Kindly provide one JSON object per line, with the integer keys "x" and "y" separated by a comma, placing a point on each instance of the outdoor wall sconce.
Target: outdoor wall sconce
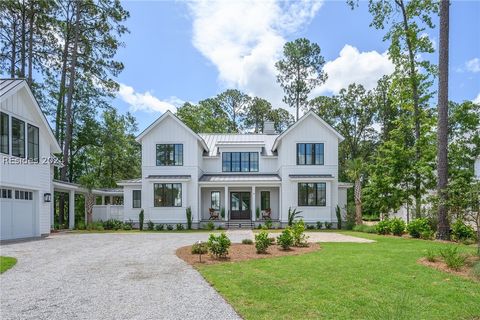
{"x": 47, "y": 197}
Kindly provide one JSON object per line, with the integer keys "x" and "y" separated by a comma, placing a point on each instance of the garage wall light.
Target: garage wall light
{"x": 47, "y": 197}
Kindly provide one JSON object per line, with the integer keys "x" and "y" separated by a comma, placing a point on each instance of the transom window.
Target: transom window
{"x": 215, "y": 200}
{"x": 264, "y": 200}
{"x": 137, "y": 198}
{"x": 32, "y": 141}
{"x": 310, "y": 153}
{"x": 167, "y": 194}
{"x": 169, "y": 154}
{"x": 6, "y": 193}
{"x": 240, "y": 161}
{"x": 4, "y": 133}
{"x": 312, "y": 194}
{"x": 18, "y": 138}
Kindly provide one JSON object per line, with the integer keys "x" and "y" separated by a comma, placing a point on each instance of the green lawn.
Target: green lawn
{"x": 347, "y": 281}
{"x": 6, "y": 263}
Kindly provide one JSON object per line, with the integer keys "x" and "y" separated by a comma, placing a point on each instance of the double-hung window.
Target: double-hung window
{"x": 310, "y": 153}
{"x": 18, "y": 138}
{"x": 169, "y": 155}
{"x": 167, "y": 194}
{"x": 240, "y": 161}
{"x": 137, "y": 198}
{"x": 312, "y": 194}
{"x": 4, "y": 133}
{"x": 215, "y": 200}
{"x": 32, "y": 142}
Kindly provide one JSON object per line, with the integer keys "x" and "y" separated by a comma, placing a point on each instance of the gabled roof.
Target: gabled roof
{"x": 169, "y": 114}
{"x": 305, "y": 116}
{"x": 9, "y": 87}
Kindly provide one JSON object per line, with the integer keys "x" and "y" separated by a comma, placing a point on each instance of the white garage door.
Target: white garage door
{"x": 18, "y": 215}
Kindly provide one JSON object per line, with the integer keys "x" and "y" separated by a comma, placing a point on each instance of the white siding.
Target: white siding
{"x": 477, "y": 168}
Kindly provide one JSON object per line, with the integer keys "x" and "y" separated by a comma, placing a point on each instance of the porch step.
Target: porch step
{"x": 240, "y": 224}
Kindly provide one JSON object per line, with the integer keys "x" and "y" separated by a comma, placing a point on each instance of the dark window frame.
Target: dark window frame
{"x": 19, "y": 155}
{"x": 139, "y": 193}
{"x": 315, "y": 189}
{"x": 176, "y": 149}
{"x": 163, "y": 190}
{"x": 263, "y": 206}
{"x": 228, "y": 165}
{"x": 5, "y": 131}
{"x": 36, "y": 156}
{"x": 312, "y": 156}
{"x": 219, "y": 200}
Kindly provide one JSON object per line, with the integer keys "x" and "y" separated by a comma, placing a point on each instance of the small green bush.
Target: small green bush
{"x": 81, "y": 226}
{"x": 285, "y": 239}
{"x": 262, "y": 242}
{"x": 128, "y": 225}
{"x": 188, "y": 212}
{"x": 219, "y": 245}
{"x": 319, "y": 225}
{"x": 268, "y": 223}
{"x": 199, "y": 248}
{"x": 427, "y": 235}
{"x": 338, "y": 212}
{"x": 150, "y": 225}
{"x": 222, "y": 213}
{"x": 417, "y": 226}
{"x": 365, "y": 228}
{"x": 431, "y": 255}
{"x": 383, "y": 227}
{"x": 260, "y": 226}
{"x": 310, "y": 226}
{"x": 461, "y": 231}
{"x": 247, "y": 241}
{"x": 452, "y": 257}
{"x": 112, "y": 224}
{"x": 169, "y": 227}
{"x": 298, "y": 234}
{"x": 159, "y": 227}
{"x": 210, "y": 225}
{"x": 397, "y": 226}
{"x": 180, "y": 227}
{"x": 328, "y": 225}
{"x": 141, "y": 216}
{"x": 476, "y": 269}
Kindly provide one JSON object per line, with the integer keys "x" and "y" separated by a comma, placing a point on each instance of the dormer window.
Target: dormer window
{"x": 240, "y": 161}
{"x": 310, "y": 154}
{"x": 169, "y": 154}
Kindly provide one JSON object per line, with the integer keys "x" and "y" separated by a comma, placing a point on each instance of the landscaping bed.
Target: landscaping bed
{"x": 241, "y": 252}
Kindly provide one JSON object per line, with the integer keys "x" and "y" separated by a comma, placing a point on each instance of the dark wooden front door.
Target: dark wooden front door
{"x": 240, "y": 205}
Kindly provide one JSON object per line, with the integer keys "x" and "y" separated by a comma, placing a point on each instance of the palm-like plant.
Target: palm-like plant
{"x": 355, "y": 171}
{"x": 292, "y": 214}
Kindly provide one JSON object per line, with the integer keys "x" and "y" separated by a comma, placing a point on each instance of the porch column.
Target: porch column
{"x": 71, "y": 209}
{"x": 103, "y": 200}
{"x": 253, "y": 206}
{"x": 225, "y": 204}
{"x": 199, "y": 210}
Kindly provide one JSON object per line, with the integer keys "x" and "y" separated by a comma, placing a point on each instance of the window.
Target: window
{"x": 23, "y": 195}
{"x": 18, "y": 138}
{"x": 137, "y": 198}
{"x": 32, "y": 142}
{"x": 215, "y": 200}
{"x": 169, "y": 154}
{"x": 4, "y": 133}
{"x": 264, "y": 200}
{"x": 312, "y": 194}
{"x": 310, "y": 154}
{"x": 167, "y": 194}
{"x": 6, "y": 193}
{"x": 240, "y": 161}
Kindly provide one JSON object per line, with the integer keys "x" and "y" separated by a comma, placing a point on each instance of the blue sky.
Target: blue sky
{"x": 179, "y": 51}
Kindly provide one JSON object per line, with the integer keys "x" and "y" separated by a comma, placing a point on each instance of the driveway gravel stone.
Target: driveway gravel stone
{"x": 114, "y": 276}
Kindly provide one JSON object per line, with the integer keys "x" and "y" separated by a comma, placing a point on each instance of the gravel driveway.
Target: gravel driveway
{"x": 112, "y": 276}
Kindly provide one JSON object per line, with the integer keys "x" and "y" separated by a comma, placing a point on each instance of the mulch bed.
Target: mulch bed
{"x": 241, "y": 252}
{"x": 465, "y": 271}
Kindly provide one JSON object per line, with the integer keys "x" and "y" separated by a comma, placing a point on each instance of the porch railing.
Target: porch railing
{"x": 107, "y": 212}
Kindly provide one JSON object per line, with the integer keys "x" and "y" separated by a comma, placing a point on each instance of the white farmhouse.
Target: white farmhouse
{"x": 236, "y": 179}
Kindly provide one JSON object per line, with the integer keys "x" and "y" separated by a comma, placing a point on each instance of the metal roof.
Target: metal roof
{"x": 137, "y": 180}
{"x": 170, "y": 176}
{"x": 240, "y": 178}
{"x": 307, "y": 176}
{"x": 213, "y": 140}
{"x": 8, "y": 84}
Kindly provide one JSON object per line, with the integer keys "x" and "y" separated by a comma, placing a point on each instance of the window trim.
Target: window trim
{"x": 219, "y": 200}
{"x": 138, "y": 191}
{"x": 37, "y": 158}
{"x": 163, "y": 193}
{"x": 3, "y": 114}
{"x": 240, "y": 168}
{"x": 157, "y": 158}
{"x": 316, "y": 194}
{"x": 313, "y": 153}
{"x": 24, "y": 140}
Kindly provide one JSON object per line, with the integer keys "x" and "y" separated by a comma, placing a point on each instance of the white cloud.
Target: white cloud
{"x": 353, "y": 66}
{"x": 244, "y": 39}
{"x": 473, "y": 65}
{"x": 146, "y": 101}
{"x": 477, "y": 99}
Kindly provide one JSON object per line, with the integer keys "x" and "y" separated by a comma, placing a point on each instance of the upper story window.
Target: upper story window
{"x": 32, "y": 139}
{"x": 4, "y": 133}
{"x": 18, "y": 138}
{"x": 310, "y": 154}
{"x": 240, "y": 161}
{"x": 169, "y": 154}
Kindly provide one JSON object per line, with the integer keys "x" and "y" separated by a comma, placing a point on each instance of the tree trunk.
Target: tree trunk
{"x": 89, "y": 202}
{"x": 13, "y": 56}
{"x": 442, "y": 132}
{"x": 30, "y": 43}
{"x": 23, "y": 39}
{"x": 358, "y": 202}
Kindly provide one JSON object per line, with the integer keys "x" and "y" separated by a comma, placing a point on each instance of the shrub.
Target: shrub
{"x": 365, "y": 228}
{"x": 338, "y": 212}
{"x": 95, "y": 226}
{"x": 350, "y": 219}
{"x": 199, "y": 248}
{"x": 452, "y": 257}
{"x": 81, "y": 226}
{"x": 285, "y": 239}
{"x": 292, "y": 214}
{"x": 259, "y": 226}
{"x": 268, "y": 223}
{"x": 257, "y": 213}
{"x": 418, "y": 226}
{"x": 141, "y": 216}
{"x": 150, "y": 225}
{"x": 319, "y": 225}
{"x": 310, "y": 226}
{"x": 262, "y": 242}
{"x": 188, "y": 212}
{"x": 219, "y": 245}
{"x": 247, "y": 241}
{"x": 461, "y": 231}
{"x": 219, "y": 228}
{"x": 383, "y": 227}
{"x": 299, "y": 237}
{"x": 169, "y": 227}
{"x": 127, "y": 225}
{"x": 427, "y": 235}
{"x": 180, "y": 226}
{"x": 210, "y": 225}
{"x": 159, "y": 227}
{"x": 112, "y": 224}
{"x": 328, "y": 225}
{"x": 222, "y": 213}
{"x": 397, "y": 226}
{"x": 370, "y": 217}
{"x": 431, "y": 255}
{"x": 476, "y": 269}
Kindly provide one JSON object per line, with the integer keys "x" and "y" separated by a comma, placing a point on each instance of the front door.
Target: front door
{"x": 240, "y": 205}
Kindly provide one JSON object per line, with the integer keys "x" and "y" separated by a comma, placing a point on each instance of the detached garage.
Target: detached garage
{"x": 26, "y": 171}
